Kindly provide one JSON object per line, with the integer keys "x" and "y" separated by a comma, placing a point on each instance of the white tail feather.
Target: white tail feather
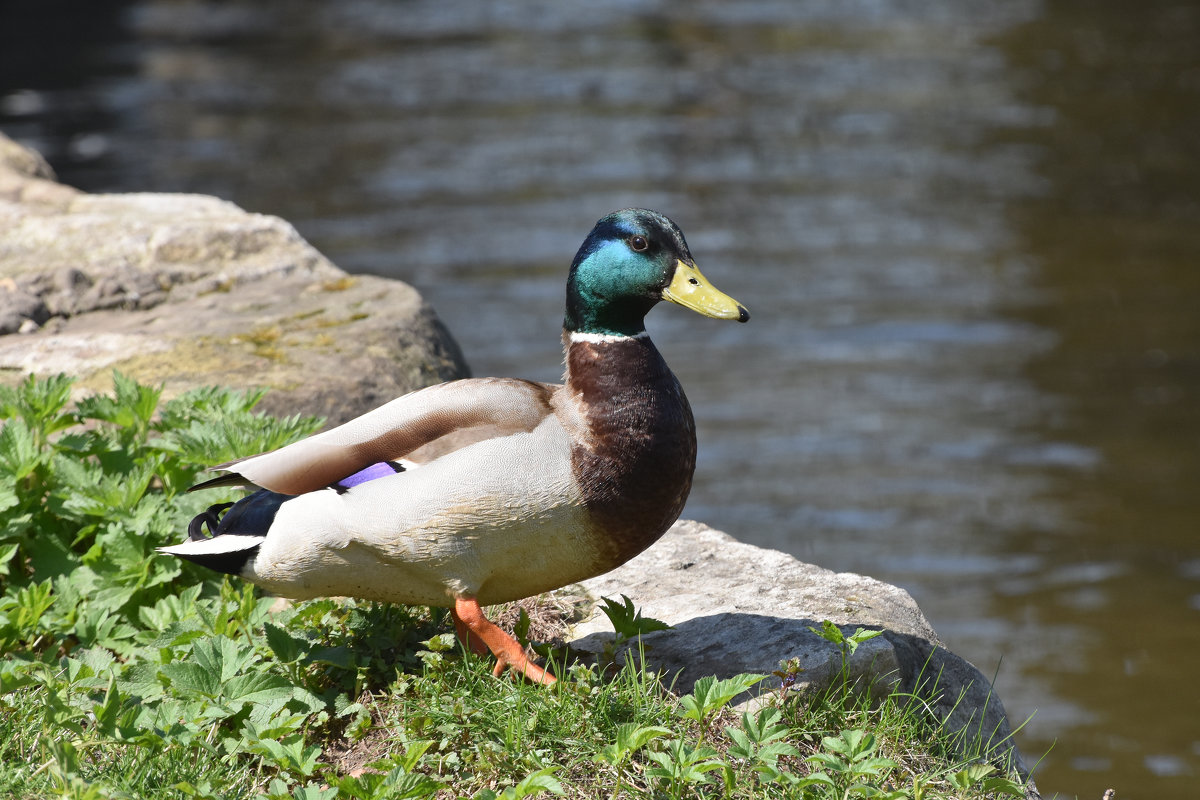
{"x": 213, "y": 546}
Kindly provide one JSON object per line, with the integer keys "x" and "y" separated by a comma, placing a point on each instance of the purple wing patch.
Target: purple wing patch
{"x": 380, "y": 470}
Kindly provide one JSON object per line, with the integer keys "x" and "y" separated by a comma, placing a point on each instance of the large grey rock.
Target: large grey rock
{"x": 738, "y": 608}
{"x": 188, "y": 290}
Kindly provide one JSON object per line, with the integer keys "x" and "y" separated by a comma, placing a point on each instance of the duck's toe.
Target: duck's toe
{"x": 481, "y": 633}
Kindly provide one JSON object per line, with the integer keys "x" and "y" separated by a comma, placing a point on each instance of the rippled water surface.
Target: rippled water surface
{"x": 968, "y": 233}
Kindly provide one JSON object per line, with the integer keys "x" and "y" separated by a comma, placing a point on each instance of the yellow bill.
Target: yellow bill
{"x": 692, "y": 290}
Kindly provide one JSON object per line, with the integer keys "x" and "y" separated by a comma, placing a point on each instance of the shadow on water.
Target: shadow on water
{"x": 1115, "y": 235}
{"x": 966, "y": 231}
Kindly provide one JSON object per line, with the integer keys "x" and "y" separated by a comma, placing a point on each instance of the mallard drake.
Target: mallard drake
{"x": 486, "y": 490}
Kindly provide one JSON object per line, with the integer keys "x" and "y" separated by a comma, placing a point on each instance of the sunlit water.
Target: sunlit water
{"x": 967, "y": 232}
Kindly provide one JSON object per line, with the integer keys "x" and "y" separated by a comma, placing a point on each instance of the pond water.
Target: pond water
{"x": 967, "y": 232}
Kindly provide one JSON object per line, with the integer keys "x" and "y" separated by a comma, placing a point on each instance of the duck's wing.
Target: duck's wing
{"x": 420, "y": 426}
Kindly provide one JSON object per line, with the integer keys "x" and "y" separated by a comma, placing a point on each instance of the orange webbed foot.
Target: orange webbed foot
{"x": 481, "y": 635}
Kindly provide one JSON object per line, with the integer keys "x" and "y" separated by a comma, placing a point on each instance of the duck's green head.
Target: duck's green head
{"x": 632, "y": 259}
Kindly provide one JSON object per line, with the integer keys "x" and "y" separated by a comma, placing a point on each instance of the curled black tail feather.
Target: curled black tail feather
{"x": 250, "y": 516}
{"x": 210, "y": 517}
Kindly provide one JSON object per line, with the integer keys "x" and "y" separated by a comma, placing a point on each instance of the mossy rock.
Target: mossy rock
{"x": 188, "y": 290}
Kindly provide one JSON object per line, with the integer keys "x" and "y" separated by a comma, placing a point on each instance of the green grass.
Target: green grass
{"x": 131, "y": 675}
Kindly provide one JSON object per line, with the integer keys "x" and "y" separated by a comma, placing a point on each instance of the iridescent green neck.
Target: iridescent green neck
{"x": 605, "y": 321}
{"x": 609, "y": 290}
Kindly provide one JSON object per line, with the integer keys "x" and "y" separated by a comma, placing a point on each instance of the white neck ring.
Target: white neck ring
{"x": 604, "y": 338}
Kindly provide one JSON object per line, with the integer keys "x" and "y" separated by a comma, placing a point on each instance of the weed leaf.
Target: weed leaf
{"x": 628, "y": 621}
{"x": 710, "y": 695}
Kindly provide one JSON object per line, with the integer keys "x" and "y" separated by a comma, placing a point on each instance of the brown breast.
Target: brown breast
{"x": 635, "y": 465}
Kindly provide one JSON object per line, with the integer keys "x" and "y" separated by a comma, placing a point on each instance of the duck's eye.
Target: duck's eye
{"x": 639, "y": 243}
{"x": 694, "y": 281}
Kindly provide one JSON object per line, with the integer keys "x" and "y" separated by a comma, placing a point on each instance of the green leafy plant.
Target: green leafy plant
{"x": 90, "y": 622}
{"x": 87, "y": 493}
{"x": 627, "y": 621}
{"x": 761, "y": 741}
{"x": 850, "y": 767}
{"x": 628, "y": 624}
{"x": 847, "y": 646}
{"x": 631, "y": 738}
{"x": 680, "y": 764}
{"x": 530, "y": 786}
{"x": 981, "y": 779}
{"x": 709, "y": 696}
{"x": 401, "y": 782}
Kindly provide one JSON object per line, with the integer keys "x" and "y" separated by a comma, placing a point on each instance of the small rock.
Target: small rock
{"x": 18, "y": 306}
{"x": 72, "y": 280}
{"x": 23, "y": 161}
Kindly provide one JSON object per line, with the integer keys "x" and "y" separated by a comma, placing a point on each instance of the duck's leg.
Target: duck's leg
{"x": 480, "y": 633}
{"x": 465, "y": 635}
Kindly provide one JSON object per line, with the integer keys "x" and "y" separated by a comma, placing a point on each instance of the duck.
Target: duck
{"x": 481, "y": 491}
